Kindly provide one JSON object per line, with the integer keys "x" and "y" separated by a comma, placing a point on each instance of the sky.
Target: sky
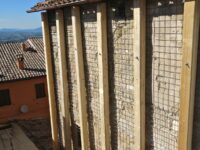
{"x": 13, "y": 14}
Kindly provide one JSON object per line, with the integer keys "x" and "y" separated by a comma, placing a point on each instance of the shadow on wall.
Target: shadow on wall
{"x": 54, "y": 55}
{"x": 163, "y": 65}
{"x": 70, "y": 74}
{"x": 120, "y": 57}
{"x": 89, "y": 36}
{"x": 196, "y": 123}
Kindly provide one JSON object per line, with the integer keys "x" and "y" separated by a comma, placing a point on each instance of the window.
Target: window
{"x": 5, "y": 98}
{"x": 40, "y": 90}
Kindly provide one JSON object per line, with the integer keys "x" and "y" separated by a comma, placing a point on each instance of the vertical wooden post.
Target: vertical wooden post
{"x": 139, "y": 72}
{"x": 80, "y": 77}
{"x": 188, "y": 76}
{"x": 50, "y": 80}
{"x": 103, "y": 74}
{"x": 63, "y": 78}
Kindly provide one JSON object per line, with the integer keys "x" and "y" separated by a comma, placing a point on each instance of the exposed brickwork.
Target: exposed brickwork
{"x": 164, "y": 55}
{"x": 120, "y": 36}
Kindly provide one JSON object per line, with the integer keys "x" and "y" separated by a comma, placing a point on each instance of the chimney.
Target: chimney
{"x": 20, "y": 61}
{"x": 23, "y": 46}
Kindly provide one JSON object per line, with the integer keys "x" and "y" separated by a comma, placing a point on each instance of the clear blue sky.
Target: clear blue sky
{"x": 13, "y": 14}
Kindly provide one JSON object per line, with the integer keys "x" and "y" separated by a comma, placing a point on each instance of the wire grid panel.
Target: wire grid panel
{"x": 196, "y": 125}
{"x": 72, "y": 76}
{"x": 120, "y": 30}
{"x": 90, "y": 52}
{"x": 164, "y": 60}
{"x": 56, "y": 71}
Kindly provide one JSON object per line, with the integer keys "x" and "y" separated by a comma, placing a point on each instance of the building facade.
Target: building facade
{"x": 23, "y": 85}
{"x": 122, "y": 74}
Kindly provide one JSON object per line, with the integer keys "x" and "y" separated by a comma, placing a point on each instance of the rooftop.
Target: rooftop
{"x": 53, "y": 4}
{"x": 33, "y": 60}
{"x": 26, "y": 134}
{"x": 12, "y": 137}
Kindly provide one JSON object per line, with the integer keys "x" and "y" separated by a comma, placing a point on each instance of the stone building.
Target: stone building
{"x": 122, "y": 73}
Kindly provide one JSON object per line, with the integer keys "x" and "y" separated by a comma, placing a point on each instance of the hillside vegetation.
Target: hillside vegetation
{"x": 8, "y": 35}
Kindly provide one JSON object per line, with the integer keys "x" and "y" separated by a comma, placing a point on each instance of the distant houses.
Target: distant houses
{"x": 23, "y": 87}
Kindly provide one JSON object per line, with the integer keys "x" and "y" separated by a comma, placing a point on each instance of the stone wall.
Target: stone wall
{"x": 90, "y": 54}
{"x": 163, "y": 73}
{"x": 56, "y": 70}
{"x": 72, "y": 77}
{"x": 120, "y": 32}
{"x": 120, "y": 38}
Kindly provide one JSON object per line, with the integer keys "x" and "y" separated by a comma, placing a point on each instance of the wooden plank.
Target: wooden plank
{"x": 66, "y": 131}
{"x": 50, "y": 80}
{"x": 188, "y": 75}
{"x": 139, "y": 72}
{"x": 76, "y": 25}
{"x": 103, "y": 75}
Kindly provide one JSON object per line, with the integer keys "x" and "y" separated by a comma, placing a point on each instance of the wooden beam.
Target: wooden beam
{"x": 50, "y": 80}
{"x": 188, "y": 75}
{"x": 103, "y": 74}
{"x": 63, "y": 80}
{"x": 80, "y": 77}
{"x": 139, "y": 72}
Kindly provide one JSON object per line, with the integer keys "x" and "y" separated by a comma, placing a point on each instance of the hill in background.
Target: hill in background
{"x": 8, "y": 35}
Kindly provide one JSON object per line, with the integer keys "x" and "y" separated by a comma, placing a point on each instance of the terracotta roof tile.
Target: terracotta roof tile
{"x": 33, "y": 59}
{"x": 53, "y": 4}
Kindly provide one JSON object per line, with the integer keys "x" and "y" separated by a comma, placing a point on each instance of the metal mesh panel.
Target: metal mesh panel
{"x": 120, "y": 32}
{"x": 164, "y": 54}
{"x": 196, "y": 125}
{"x": 72, "y": 77}
{"x": 56, "y": 71}
{"x": 90, "y": 52}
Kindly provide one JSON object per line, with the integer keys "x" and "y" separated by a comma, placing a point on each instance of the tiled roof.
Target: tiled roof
{"x": 53, "y": 4}
{"x": 33, "y": 59}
